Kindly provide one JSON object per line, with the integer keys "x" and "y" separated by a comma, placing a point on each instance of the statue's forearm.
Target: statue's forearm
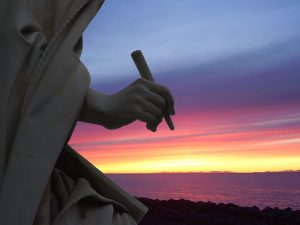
{"x": 94, "y": 108}
{"x": 142, "y": 100}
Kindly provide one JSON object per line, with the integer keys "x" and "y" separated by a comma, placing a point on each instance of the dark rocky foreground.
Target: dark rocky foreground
{"x": 184, "y": 212}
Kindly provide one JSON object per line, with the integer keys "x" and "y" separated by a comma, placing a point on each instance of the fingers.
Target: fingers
{"x": 156, "y": 112}
{"x": 164, "y": 93}
{"x": 153, "y": 109}
{"x": 149, "y": 119}
{"x": 156, "y": 100}
{"x": 159, "y": 102}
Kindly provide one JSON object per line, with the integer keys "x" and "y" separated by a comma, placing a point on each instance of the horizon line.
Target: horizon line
{"x": 209, "y": 172}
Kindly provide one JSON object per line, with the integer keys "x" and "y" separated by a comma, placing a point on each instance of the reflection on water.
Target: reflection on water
{"x": 260, "y": 189}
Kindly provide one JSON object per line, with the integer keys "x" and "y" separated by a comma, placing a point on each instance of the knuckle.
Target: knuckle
{"x": 163, "y": 88}
{"x": 140, "y": 87}
{"x": 162, "y": 102}
{"x": 167, "y": 91}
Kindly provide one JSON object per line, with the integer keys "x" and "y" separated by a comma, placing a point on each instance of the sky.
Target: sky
{"x": 233, "y": 68}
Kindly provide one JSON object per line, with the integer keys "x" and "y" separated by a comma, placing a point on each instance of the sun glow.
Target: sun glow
{"x": 217, "y": 146}
{"x": 233, "y": 164}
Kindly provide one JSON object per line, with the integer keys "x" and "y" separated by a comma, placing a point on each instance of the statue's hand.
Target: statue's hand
{"x": 142, "y": 100}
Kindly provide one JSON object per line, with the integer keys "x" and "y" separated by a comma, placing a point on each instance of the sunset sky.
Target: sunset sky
{"x": 233, "y": 67}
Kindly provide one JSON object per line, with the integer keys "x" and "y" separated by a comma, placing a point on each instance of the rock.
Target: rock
{"x": 185, "y": 212}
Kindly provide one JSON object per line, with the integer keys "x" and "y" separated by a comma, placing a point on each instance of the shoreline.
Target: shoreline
{"x": 186, "y": 212}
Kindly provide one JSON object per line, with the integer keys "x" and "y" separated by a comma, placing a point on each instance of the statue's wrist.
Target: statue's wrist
{"x": 95, "y": 108}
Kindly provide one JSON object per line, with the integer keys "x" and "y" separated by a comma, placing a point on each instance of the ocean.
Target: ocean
{"x": 280, "y": 190}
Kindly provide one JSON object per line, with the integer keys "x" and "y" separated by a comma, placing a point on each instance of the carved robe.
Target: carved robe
{"x": 43, "y": 85}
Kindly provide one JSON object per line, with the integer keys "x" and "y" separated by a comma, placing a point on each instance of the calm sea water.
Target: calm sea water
{"x": 258, "y": 189}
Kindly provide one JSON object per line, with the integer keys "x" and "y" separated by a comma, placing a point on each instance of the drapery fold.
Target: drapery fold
{"x": 43, "y": 86}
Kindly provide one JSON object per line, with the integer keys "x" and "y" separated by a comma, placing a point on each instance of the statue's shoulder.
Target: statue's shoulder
{"x": 50, "y": 16}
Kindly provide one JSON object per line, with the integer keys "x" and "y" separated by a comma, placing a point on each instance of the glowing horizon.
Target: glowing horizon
{"x": 255, "y": 146}
{"x": 234, "y": 71}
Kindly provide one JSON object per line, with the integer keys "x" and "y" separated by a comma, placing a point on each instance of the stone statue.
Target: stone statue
{"x": 44, "y": 91}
